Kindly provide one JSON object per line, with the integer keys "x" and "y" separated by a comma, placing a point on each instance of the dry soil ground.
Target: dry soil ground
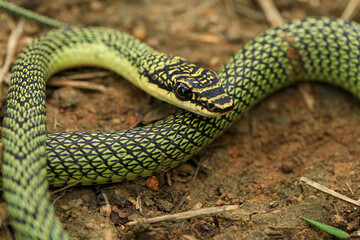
{"x": 257, "y": 163}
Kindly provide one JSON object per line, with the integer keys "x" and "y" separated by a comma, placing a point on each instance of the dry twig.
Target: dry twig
{"x": 138, "y": 204}
{"x": 200, "y": 8}
{"x": 12, "y": 43}
{"x": 107, "y": 203}
{"x": 186, "y": 215}
{"x": 84, "y": 75}
{"x": 203, "y": 37}
{"x": 307, "y": 96}
{"x": 329, "y": 191}
{"x": 78, "y": 84}
{"x": 351, "y": 10}
{"x": 66, "y": 187}
{"x": 271, "y": 12}
{"x": 352, "y": 192}
{"x": 274, "y": 18}
{"x": 71, "y": 81}
{"x": 55, "y": 200}
{"x": 247, "y": 12}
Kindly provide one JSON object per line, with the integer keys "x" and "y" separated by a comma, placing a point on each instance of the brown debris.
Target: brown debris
{"x": 153, "y": 183}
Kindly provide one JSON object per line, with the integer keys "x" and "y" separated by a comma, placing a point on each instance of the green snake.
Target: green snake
{"x": 320, "y": 49}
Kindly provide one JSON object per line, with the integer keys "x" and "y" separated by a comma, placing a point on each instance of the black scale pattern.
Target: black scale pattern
{"x": 321, "y": 49}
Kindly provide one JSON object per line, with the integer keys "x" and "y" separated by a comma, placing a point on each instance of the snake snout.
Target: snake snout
{"x": 221, "y": 105}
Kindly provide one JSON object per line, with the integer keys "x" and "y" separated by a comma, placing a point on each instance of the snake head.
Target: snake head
{"x": 202, "y": 92}
{"x": 181, "y": 83}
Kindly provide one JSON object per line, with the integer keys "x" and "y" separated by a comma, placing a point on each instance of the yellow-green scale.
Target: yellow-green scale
{"x": 312, "y": 49}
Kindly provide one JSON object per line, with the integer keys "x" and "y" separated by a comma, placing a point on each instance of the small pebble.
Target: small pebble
{"x": 100, "y": 197}
{"x": 65, "y": 207}
{"x": 66, "y": 97}
{"x": 219, "y": 202}
{"x": 203, "y": 227}
{"x": 139, "y": 31}
{"x": 197, "y": 206}
{"x": 267, "y": 231}
{"x": 97, "y": 6}
{"x": 32, "y": 29}
{"x": 287, "y": 167}
{"x": 273, "y": 204}
{"x": 90, "y": 225}
{"x": 75, "y": 203}
{"x": 163, "y": 205}
{"x": 234, "y": 33}
{"x": 105, "y": 211}
{"x": 148, "y": 201}
{"x": 114, "y": 217}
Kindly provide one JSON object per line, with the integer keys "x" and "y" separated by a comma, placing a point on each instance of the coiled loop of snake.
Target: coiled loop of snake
{"x": 320, "y": 49}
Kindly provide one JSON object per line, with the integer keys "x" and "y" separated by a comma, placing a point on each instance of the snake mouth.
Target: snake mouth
{"x": 224, "y": 110}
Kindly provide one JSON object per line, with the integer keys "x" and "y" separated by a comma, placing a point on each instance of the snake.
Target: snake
{"x": 311, "y": 49}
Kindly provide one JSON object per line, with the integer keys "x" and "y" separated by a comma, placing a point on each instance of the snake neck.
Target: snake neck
{"x": 156, "y": 73}
{"x": 73, "y": 47}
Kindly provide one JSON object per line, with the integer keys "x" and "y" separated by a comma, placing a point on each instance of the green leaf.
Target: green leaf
{"x": 332, "y": 230}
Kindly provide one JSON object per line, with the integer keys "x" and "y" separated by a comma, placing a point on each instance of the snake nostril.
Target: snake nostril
{"x": 211, "y": 107}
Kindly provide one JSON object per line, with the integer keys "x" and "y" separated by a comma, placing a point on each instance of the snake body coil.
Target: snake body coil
{"x": 320, "y": 49}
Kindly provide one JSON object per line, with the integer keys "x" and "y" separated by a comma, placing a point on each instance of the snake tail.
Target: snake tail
{"x": 30, "y": 15}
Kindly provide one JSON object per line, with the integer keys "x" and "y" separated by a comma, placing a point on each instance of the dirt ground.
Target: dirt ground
{"x": 257, "y": 164}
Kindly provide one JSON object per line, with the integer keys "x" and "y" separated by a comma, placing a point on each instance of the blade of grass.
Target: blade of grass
{"x": 332, "y": 230}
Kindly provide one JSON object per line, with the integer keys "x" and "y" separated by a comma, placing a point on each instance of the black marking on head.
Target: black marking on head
{"x": 222, "y": 101}
{"x": 175, "y": 68}
{"x": 210, "y": 93}
{"x": 204, "y": 79}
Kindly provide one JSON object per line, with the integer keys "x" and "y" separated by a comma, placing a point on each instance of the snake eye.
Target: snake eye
{"x": 182, "y": 91}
